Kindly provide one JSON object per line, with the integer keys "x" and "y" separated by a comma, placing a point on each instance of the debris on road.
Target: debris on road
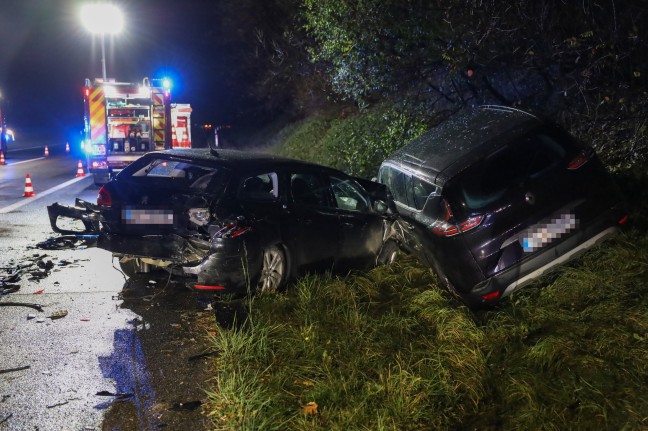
{"x": 38, "y": 292}
{"x": 51, "y": 406}
{"x": 6, "y": 418}
{"x": 11, "y": 370}
{"x": 204, "y": 355}
{"x": 22, "y": 304}
{"x": 120, "y": 396}
{"x": 9, "y": 288}
{"x": 68, "y": 242}
{"x": 188, "y": 406}
{"x": 58, "y": 314}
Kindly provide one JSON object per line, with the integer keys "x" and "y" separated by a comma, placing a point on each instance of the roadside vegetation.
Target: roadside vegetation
{"x": 390, "y": 350}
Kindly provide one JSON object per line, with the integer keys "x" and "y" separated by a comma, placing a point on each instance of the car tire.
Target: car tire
{"x": 388, "y": 253}
{"x": 273, "y": 270}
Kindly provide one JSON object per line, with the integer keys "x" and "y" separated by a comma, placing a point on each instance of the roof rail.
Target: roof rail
{"x": 507, "y": 109}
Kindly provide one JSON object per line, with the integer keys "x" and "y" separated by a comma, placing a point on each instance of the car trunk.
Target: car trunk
{"x": 532, "y": 194}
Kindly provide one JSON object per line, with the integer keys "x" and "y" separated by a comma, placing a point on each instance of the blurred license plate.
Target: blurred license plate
{"x": 148, "y": 216}
{"x": 545, "y": 233}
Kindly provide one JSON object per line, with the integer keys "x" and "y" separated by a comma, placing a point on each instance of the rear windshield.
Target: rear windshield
{"x": 489, "y": 180}
{"x": 177, "y": 173}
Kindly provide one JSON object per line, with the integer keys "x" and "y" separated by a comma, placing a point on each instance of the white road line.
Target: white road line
{"x": 26, "y": 201}
{"x": 25, "y": 161}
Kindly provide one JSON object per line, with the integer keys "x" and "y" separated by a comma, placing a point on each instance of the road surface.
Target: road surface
{"x": 104, "y": 353}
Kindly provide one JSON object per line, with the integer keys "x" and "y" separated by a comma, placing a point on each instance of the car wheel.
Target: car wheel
{"x": 388, "y": 253}
{"x": 273, "y": 270}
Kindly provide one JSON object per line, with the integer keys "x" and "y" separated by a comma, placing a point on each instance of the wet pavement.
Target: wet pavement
{"x": 105, "y": 353}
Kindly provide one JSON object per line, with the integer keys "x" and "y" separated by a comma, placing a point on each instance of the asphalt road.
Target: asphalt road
{"x": 105, "y": 353}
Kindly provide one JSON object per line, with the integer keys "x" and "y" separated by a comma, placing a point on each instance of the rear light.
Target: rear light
{"x": 232, "y": 230}
{"x": 491, "y": 296}
{"x": 623, "y": 219}
{"x": 104, "y": 198}
{"x": 580, "y": 159}
{"x": 205, "y": 287}
{"x": 450, "y": 229}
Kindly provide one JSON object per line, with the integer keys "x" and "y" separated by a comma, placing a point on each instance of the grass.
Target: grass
{"x": 389, "y": 350}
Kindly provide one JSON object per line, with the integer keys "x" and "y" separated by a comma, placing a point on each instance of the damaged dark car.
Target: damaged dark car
{"x": 496, "y": 197}
{"x": 229, "y": 221}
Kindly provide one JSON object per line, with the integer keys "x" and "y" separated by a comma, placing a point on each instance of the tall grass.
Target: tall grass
{"x": 389, "y": 350}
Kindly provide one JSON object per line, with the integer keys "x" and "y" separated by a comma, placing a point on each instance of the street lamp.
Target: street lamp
{"x": 102, "y": 18}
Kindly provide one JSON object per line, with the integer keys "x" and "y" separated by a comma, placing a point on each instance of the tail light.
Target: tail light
{"x": 448, "y": 229}
{"x": 580, "y": 159}
{"x": 491, "y": 296}
{"x": 232, "y": 230}
{"x": 104, "y": 198}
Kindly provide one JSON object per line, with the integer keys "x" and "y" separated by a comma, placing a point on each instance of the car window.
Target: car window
{"x": 308, "y": 189}
{"x": 178, "y": 173}
{"x": 397, "y": 182}
{"x": 509, "y": 168}
{"x": 421, "y": 190}
{"x": 262, "y": 187}
{"x": 349, "y": 195}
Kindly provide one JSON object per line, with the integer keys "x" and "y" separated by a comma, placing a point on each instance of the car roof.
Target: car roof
{"x": 450, "y": 147}
{"x": 240, "y": 160}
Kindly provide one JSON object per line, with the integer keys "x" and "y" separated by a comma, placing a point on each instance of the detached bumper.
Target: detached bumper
{"x": 84, "y": 211}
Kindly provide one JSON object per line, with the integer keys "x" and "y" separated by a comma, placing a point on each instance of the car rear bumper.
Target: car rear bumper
{"x": 224, "y": 267}
{"x": 511, "y": 279}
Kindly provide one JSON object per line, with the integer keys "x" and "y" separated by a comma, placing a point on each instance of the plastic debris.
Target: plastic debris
{"x": 6, "y": 418}
{"x": 38, "y": 292}
{"x": 30, "y": 316}
{"x": 120, "y": 396}
{"x": 11, "y": 370}
{"x": 57, "y": 404}
{"x": 22, "y": 304}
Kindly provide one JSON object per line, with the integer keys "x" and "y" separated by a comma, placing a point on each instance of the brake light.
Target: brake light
{"x": 450, "y": 229}
{"x": 491, "y": 296}
{"x": 104, "y": 198}
{"x": 206, "y": 287}
{"x": 580, "y": 159}
{"x": 623, "y": 219}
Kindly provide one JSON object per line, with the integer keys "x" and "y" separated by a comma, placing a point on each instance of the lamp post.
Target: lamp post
{"x": 102, "y": 18}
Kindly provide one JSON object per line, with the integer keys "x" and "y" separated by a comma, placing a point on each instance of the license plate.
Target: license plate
{"x": 543, "y": 234}
{"x": 148, "y": 216}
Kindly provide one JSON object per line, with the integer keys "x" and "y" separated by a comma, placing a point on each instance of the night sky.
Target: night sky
{"x": 47, "y": 53}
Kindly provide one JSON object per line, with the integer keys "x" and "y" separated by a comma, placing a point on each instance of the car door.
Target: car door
{"x": 312, "y": 225}
{"x": 361, "y": 227}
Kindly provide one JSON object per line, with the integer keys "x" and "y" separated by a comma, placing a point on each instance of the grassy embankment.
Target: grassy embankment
{"x": 388, "y": 349}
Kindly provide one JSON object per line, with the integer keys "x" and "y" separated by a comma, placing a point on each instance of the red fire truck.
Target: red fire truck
{"x": 123, "y": 121}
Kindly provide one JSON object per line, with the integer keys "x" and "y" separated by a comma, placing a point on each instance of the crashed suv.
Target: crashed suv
{"x": 497, "y": 197}
{"x": 230, "y": 221}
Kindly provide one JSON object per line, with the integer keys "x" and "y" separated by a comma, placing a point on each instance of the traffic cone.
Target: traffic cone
{"x": 29, "y": 190}
{"x": 46, "y": 151}
{"x": 80, "y": 170}
{"x": 67, "y": 147}
{"x": 2, "y": 159}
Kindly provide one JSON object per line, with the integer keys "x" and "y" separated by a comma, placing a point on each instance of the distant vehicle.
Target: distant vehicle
{"x": 180, "y": 125}
{"x": 123, "y": 121}
{"x": 495, "y": 198}
{"x": 229, "y": 221}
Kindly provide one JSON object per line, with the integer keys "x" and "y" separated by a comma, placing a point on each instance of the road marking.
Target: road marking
{"x": 26, "y": 201}
{"x": 25, "y": 161}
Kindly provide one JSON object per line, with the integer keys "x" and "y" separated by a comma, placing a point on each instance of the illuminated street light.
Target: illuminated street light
{"x": 102, "y": 18}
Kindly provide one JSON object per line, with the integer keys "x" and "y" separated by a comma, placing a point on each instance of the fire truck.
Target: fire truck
{"x": 123, "y": 121}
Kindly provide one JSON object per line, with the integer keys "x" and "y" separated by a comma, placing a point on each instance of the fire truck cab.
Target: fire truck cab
{"x": 123, "y": 121}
